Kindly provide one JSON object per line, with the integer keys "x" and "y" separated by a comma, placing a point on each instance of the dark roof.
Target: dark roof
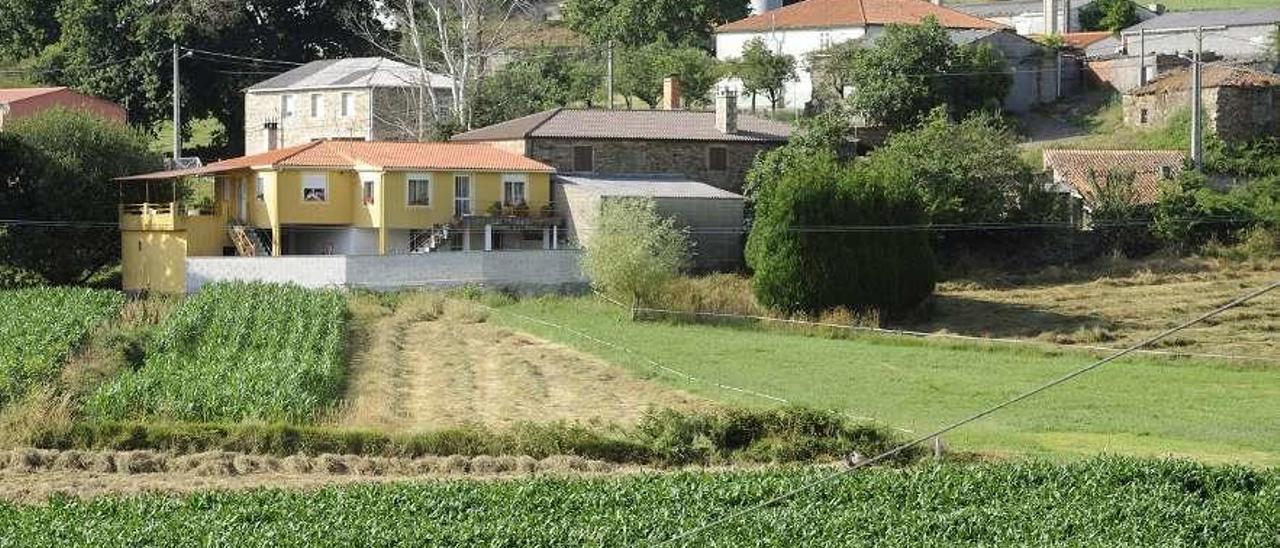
{"x": 648, "y": 125}
{"x": 1212, "y": 76}
{"x": 1230, "y": 18}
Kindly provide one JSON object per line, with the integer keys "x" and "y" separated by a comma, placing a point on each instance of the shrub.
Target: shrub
{"x": 809, "y": 255}
{"x": 634, "y": 251}
{"x": 12, "y": 277}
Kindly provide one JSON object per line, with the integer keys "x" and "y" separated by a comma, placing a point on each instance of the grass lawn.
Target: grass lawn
{"x": 1212, "y": 412}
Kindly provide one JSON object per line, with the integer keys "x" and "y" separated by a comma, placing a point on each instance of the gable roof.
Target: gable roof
{"x": 1080, "y": 169}
{"x": 1082, "y": 40}
{"x": 855, "y": 13}
{"x": 1009, "y": 9}
{"x": 1208, "y": 18}
{"x": 643, "y": 125}
{"x": 373, "y": 154}
{"x": 1211, "y": 76}
{"x": 352, "y": 72}
{"x": 10, "y": 95}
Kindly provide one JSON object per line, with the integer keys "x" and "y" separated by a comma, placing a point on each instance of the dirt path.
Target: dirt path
{"x": 428, "y": 362}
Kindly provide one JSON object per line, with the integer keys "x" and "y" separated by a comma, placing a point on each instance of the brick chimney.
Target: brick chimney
{"x": 671, "y": 93}
{"x": 727, "y": 111}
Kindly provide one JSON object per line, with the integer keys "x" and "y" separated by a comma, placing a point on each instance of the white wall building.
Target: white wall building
{"x": 1027, "y": 17}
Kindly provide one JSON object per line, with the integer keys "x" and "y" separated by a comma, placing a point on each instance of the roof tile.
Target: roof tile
{"x": 1082, "y": 169}
{"x": 855, "y": 13}
{"x": 665, "y": 125}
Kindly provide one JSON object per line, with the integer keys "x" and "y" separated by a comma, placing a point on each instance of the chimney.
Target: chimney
{"x": 1050, "y": 17}
{"x": 671, "y": 93}
{"x": 727, "y": 111}
{"x": 273, "y": 134}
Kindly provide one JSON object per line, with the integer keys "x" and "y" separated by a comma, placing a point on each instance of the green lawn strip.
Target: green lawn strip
{"x": 1138, "y": 406}
{"x": 1098, "y": 502}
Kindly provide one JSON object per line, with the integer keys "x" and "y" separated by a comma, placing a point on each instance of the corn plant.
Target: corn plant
{"x": 237, "y": 351}
{"x": 40, "y": 327}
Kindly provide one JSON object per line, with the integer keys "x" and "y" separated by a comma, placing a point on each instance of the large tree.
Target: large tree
{"x": 630, "y": 23}
{"x": 56, "y": 172}
{"x": 912, "y": 69}
{"x": 762, "y": 71}
{"x": 26, "y": 26}
{"x": 1108, "y": 15}
{"x": 640, "y": 72}
{"x": 538, "y": 80}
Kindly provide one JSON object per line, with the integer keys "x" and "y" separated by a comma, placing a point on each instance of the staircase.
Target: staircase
{"x": 249, "y": 242}
{"x": 426, "y": 242}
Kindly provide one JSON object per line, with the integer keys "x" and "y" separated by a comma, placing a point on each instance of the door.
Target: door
{"x": 244, "y": 201}
{"x": 462, "y": 195}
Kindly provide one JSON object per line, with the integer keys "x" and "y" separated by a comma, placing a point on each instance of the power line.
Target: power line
{"x": 972, "y": 418}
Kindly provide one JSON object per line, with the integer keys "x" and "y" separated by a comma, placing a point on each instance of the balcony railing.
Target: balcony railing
{"x": 160, "y": 216}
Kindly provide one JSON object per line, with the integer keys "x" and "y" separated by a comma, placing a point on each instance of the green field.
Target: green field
{"x": 39, "y": 328}
{"x": 1102, "y": 502}
{"x": 237, "y": 351}
{"x": 1211, "y": 412}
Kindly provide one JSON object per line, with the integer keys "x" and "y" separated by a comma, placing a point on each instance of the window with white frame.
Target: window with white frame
{"x": 513, "y": 190}
{"x": 366, "y": 191}
{"x": 286, "y": 106}
{"x": 348, "y": 107}
{"x": 419, "y": 189}
{"x": 317, "y": 105}
{"x": 315, "y": 187}
{"x": 260, "y": 188}
{"x": 461, "y": 194}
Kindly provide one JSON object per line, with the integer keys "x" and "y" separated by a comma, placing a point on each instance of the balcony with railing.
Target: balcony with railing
{"x": 166, "y": 216}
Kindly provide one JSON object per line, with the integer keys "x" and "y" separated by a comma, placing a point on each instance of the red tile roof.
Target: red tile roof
{"x": 10, "y": 95}
{"x": 1083, "y": 40}
{"x": 372, "y": 154}
{"x": 1082, "y": 169}
{"x": 1211, "y": 76}
{"x": 855, "y": 13}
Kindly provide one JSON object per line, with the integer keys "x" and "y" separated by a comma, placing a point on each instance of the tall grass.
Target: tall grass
{"x": 237, "y": 351}
{"x": 40, "y": 327}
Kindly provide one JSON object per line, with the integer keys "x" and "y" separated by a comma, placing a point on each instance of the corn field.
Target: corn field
{"x": 40, "y": 327}
{"x": 1099, "y": 502}
{"x": 237, "y": 351}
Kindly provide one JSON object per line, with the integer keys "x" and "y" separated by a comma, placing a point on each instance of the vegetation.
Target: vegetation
{"x": 542, "y": 79}
{"x": 635, "y": 23}
{"x": 1108, "y": 15}
{"x": 641, "y": 70}
{"x": 59, "y": 166}
{"x": 1106, "y": 502}
{"x": 39, "y": 328}
{"x": 237, "y": 351}
{"x": 763, "y": 72}
{"x": 923, "y": 384}
{"x": 634, "y": 251}
{"x": 802, "y": 266}
{"x": 913, "y": 69}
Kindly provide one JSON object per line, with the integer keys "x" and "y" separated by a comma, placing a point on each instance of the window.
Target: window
{"x": 824, "y": 40}
{"x": 366, "y": 191}
{"x": 419, "y": 190}
{"x": 513, "y": 190}
{"x": 317, "y": 105}
{"x": 261, "y": 188}
{"x": 348, "y": 107}
{"x": 584, "y": 159}
{"x": 462, "y": 195}
{"x": 1143, "y": 116}
{"x": 1166, "y": 172}
{"x": 315, "y": 187}
{"x": 717, "y": 158}
{"x": 286, "y": 106}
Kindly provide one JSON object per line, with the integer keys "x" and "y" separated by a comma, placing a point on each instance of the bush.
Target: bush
{"x": 12, "y": 277}
{"x": 634, "y": 252}
{"x": 808, "y": 254}
{"x": 1189, "y": 214}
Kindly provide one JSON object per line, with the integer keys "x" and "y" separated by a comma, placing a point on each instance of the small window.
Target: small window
{"x": 315, "y": 188}
{"x": 513, "y": 192}
{"x": 1144, "y": 116}
{"x": 348, "y": 104}
{"x": 419, "y": 190}
{"x": 1166, "y": 172}
{"x": 286, "y": 106}
{"x": 317, "y": 105}
{"x": 261, "y": 188}
{"x": 584, "y": 159}
{"x": 717, "y": 159}
{"x": 366, "y": 191}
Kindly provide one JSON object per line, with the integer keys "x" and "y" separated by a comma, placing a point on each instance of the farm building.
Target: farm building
{"x": 1240, "y": 104}
{"x": 22, "y": 102}
{"x": 1083, "y": 174}
{"x": 713, "y": 216}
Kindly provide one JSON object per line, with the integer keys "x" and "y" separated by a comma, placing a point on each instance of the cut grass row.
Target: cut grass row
{"x": 1100, "y": 502}
{"x": 1144, "y": 407}
{"x": 39, "y": 328}
{"x": 233, "y": 352}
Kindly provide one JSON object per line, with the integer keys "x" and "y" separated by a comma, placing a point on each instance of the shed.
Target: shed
{"x": 713, "y": 216}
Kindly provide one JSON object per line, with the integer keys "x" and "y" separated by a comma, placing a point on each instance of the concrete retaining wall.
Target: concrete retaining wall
{"x": 518, "y": 270}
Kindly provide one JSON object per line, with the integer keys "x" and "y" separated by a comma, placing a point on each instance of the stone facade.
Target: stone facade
{"x": 1236, "y": 114}
{"x": 380, "y": 114}
{"x": 689, "y": 158}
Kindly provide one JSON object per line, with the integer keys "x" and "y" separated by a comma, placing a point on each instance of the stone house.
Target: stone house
{"x": 714, "y": 147}
{"x": 1081, "y": 174}
{"x": 1239, "y": 104}
{"x": 367, "y": 98}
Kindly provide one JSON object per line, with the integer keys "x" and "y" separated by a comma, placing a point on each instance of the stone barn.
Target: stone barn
{"x": 1240, "y": 104}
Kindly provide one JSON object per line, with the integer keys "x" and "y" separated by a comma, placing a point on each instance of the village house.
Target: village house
{"x": 18, "y": 103}
{"x": 1245, "y": 35}
{"x": 1082, "y": 174}
{"x": 1027, "y": 17}
{"x": 336, "y": 197}
{"x": 1239, "y": 104}
{"x": 365, "y": 98}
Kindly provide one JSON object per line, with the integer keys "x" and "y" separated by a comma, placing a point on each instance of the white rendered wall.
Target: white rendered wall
{"x": 798, "y": 43}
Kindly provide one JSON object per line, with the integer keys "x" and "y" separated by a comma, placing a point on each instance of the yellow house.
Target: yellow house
{"x": 342, "y": 197}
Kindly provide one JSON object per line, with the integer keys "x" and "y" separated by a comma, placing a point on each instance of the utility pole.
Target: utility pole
{"x": 1197, "y": 132}
{"x": 1142, "y": 57}
{"x": 609, "y": 76}
{"x": 177, "y": 110}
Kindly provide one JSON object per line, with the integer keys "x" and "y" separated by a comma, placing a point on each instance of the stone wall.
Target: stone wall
{"x": 1235, "y": 114}
{"x": 301, "y": 127}
{"x": 646, "y": 156}
{"x": 519, "y": 270}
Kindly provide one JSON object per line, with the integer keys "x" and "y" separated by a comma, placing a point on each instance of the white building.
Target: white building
{"x": 809, "y": 26}
{"x": 1027, "y": 17}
